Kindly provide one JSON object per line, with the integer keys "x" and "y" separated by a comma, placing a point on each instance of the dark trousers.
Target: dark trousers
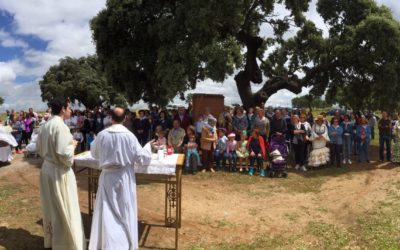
{"x": 232, "y": 160}
{"x": 19, "y": 146}
{"x": 25, "y": 138}
{"x": 220, "y": 155}
{"x": 372, "y": 133}
{"x": 299, "y": 153}
{"x": 335, "y": 151}
{"x": 142, "y": 138}
{"x": 257, "y": 159}
{"x": 207, "y": 158}
{"x": 384, "y": 139}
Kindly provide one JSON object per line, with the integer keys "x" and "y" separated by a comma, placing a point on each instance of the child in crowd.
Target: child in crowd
{"x": 17, "y": 133}
{"x": 78, "y": 136}
{"x": 161, "y": 141}
{"x": 89, "y": 139}
{"x": 242, "y": 152}
{"x": 256, "y": 147}
{"x": 192, "y": 150}
{"x": 199, "y": 125}
{"x": 231, "y": 151}
{"x": 220, "y": 150}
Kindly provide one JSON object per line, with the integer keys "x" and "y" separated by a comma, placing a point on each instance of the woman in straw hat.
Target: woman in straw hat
{"x": 319, "y": 155}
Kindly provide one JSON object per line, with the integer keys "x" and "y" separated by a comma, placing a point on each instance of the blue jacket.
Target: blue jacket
{"x": 348, "y": 129}
{"x": 359, "y": 130}
{"x": 338, "y": 137}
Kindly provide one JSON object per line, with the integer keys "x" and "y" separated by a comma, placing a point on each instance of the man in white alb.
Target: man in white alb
{"x": 62, "y": 222}
{"x": 114, "y": 223}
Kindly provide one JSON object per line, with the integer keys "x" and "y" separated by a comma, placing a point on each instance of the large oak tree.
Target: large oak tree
{"x": 153, "y": 50}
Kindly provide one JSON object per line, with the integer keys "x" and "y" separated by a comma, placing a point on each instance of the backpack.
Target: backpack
{"x": 363, "y": 134}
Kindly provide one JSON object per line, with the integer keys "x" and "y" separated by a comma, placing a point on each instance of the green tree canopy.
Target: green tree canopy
{"x": 365, "y": 51}
{"x": 81, "y": 80}
{"x": 154, "y": 50}
{"x": 308, "y": 101}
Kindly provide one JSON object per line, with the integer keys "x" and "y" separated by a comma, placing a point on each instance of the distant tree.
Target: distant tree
{"x": 81, "y": 80}
{"x": 364, "y": 51}
{"x": 1, "y": 100}
{"x": 308, "y": 101}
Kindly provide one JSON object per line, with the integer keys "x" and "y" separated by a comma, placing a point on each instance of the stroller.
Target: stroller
{"x": 278, "y": 152}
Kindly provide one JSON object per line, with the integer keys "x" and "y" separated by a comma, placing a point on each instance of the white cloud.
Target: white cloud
{"x": 63, "y": 24}
{"x": 394, "y": 5}
{"x": 6, "y": 40}
{"x": 7, "y": 73}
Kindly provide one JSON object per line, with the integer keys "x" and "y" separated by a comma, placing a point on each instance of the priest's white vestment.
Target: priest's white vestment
{"x": 115, "y": 223}
{"x": 62, "y": 222}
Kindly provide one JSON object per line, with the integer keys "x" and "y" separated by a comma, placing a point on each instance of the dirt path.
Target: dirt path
{"x": 217, "y": 208}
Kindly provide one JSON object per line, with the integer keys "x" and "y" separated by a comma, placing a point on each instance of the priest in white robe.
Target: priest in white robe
{"x": 115, "y": 222}
{"x": 62, "y": 222}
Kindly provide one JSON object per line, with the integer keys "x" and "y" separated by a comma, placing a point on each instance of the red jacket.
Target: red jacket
{"x": 262, "y": 145}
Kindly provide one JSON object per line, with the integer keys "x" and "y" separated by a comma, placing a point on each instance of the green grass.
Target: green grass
{"x": 224, "y": 224}
{"x": 380, "y": 229}
{"x": 291, "y": 216}
{"x": 266, "y": 187}
{"x": 328, "y": 236}
{"x": 377, "y": 229}
{"x": 9, "y": 205}
{"x": 261, "y": 242}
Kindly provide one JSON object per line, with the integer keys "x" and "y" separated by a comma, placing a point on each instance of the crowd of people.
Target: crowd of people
{"x": 236, "y": 140}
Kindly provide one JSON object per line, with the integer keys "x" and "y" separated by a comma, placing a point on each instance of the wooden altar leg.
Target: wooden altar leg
{"x": 172, "y": 202}
{"x": 179, "y": 206}
{"x": 90, "y": 195}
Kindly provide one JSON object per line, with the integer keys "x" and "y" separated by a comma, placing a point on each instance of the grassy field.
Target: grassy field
{"x": 356, "y": 207}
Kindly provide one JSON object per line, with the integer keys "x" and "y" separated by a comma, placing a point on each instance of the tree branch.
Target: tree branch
{"x": 291, "y": 83}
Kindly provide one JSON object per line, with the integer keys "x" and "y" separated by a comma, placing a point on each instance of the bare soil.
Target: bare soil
{"x": 217, "y": 208}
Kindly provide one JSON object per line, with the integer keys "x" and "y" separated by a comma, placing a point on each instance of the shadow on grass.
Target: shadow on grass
{"x": 18, "y": 238}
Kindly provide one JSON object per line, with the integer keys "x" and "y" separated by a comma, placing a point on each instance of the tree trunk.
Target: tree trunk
{"x": 251, "y": 72}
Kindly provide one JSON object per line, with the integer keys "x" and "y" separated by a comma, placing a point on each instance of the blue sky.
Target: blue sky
{"x": 35, "y": 34}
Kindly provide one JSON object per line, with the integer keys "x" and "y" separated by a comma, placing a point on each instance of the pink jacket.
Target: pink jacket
{"x": 231, "y": 146}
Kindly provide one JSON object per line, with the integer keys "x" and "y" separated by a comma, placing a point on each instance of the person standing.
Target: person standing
{"x": 184, "y": 119}
{"x": 239, "y": 122}
{"x": 278, "y": 125}
{"x": 372, "y": 123}
{"x": 141, "y": 126}
{"x": 347, "y": 126}
{"x": 298, "y": 135}
{"x": 319, "y": 155}
{"x": 62, "y": 222}
{"x": 251, "y": 117}
{"x": 396, "y": 145}
{"x": 262, "y": 123}
{"x": 385, "y": 129}
{"x": 363, "y": 137}
{"x": 335, "y": 133}
{"x": 115, "y": 223}
{"x": 176, "y": 136}
{"x": 208, "y": 141}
